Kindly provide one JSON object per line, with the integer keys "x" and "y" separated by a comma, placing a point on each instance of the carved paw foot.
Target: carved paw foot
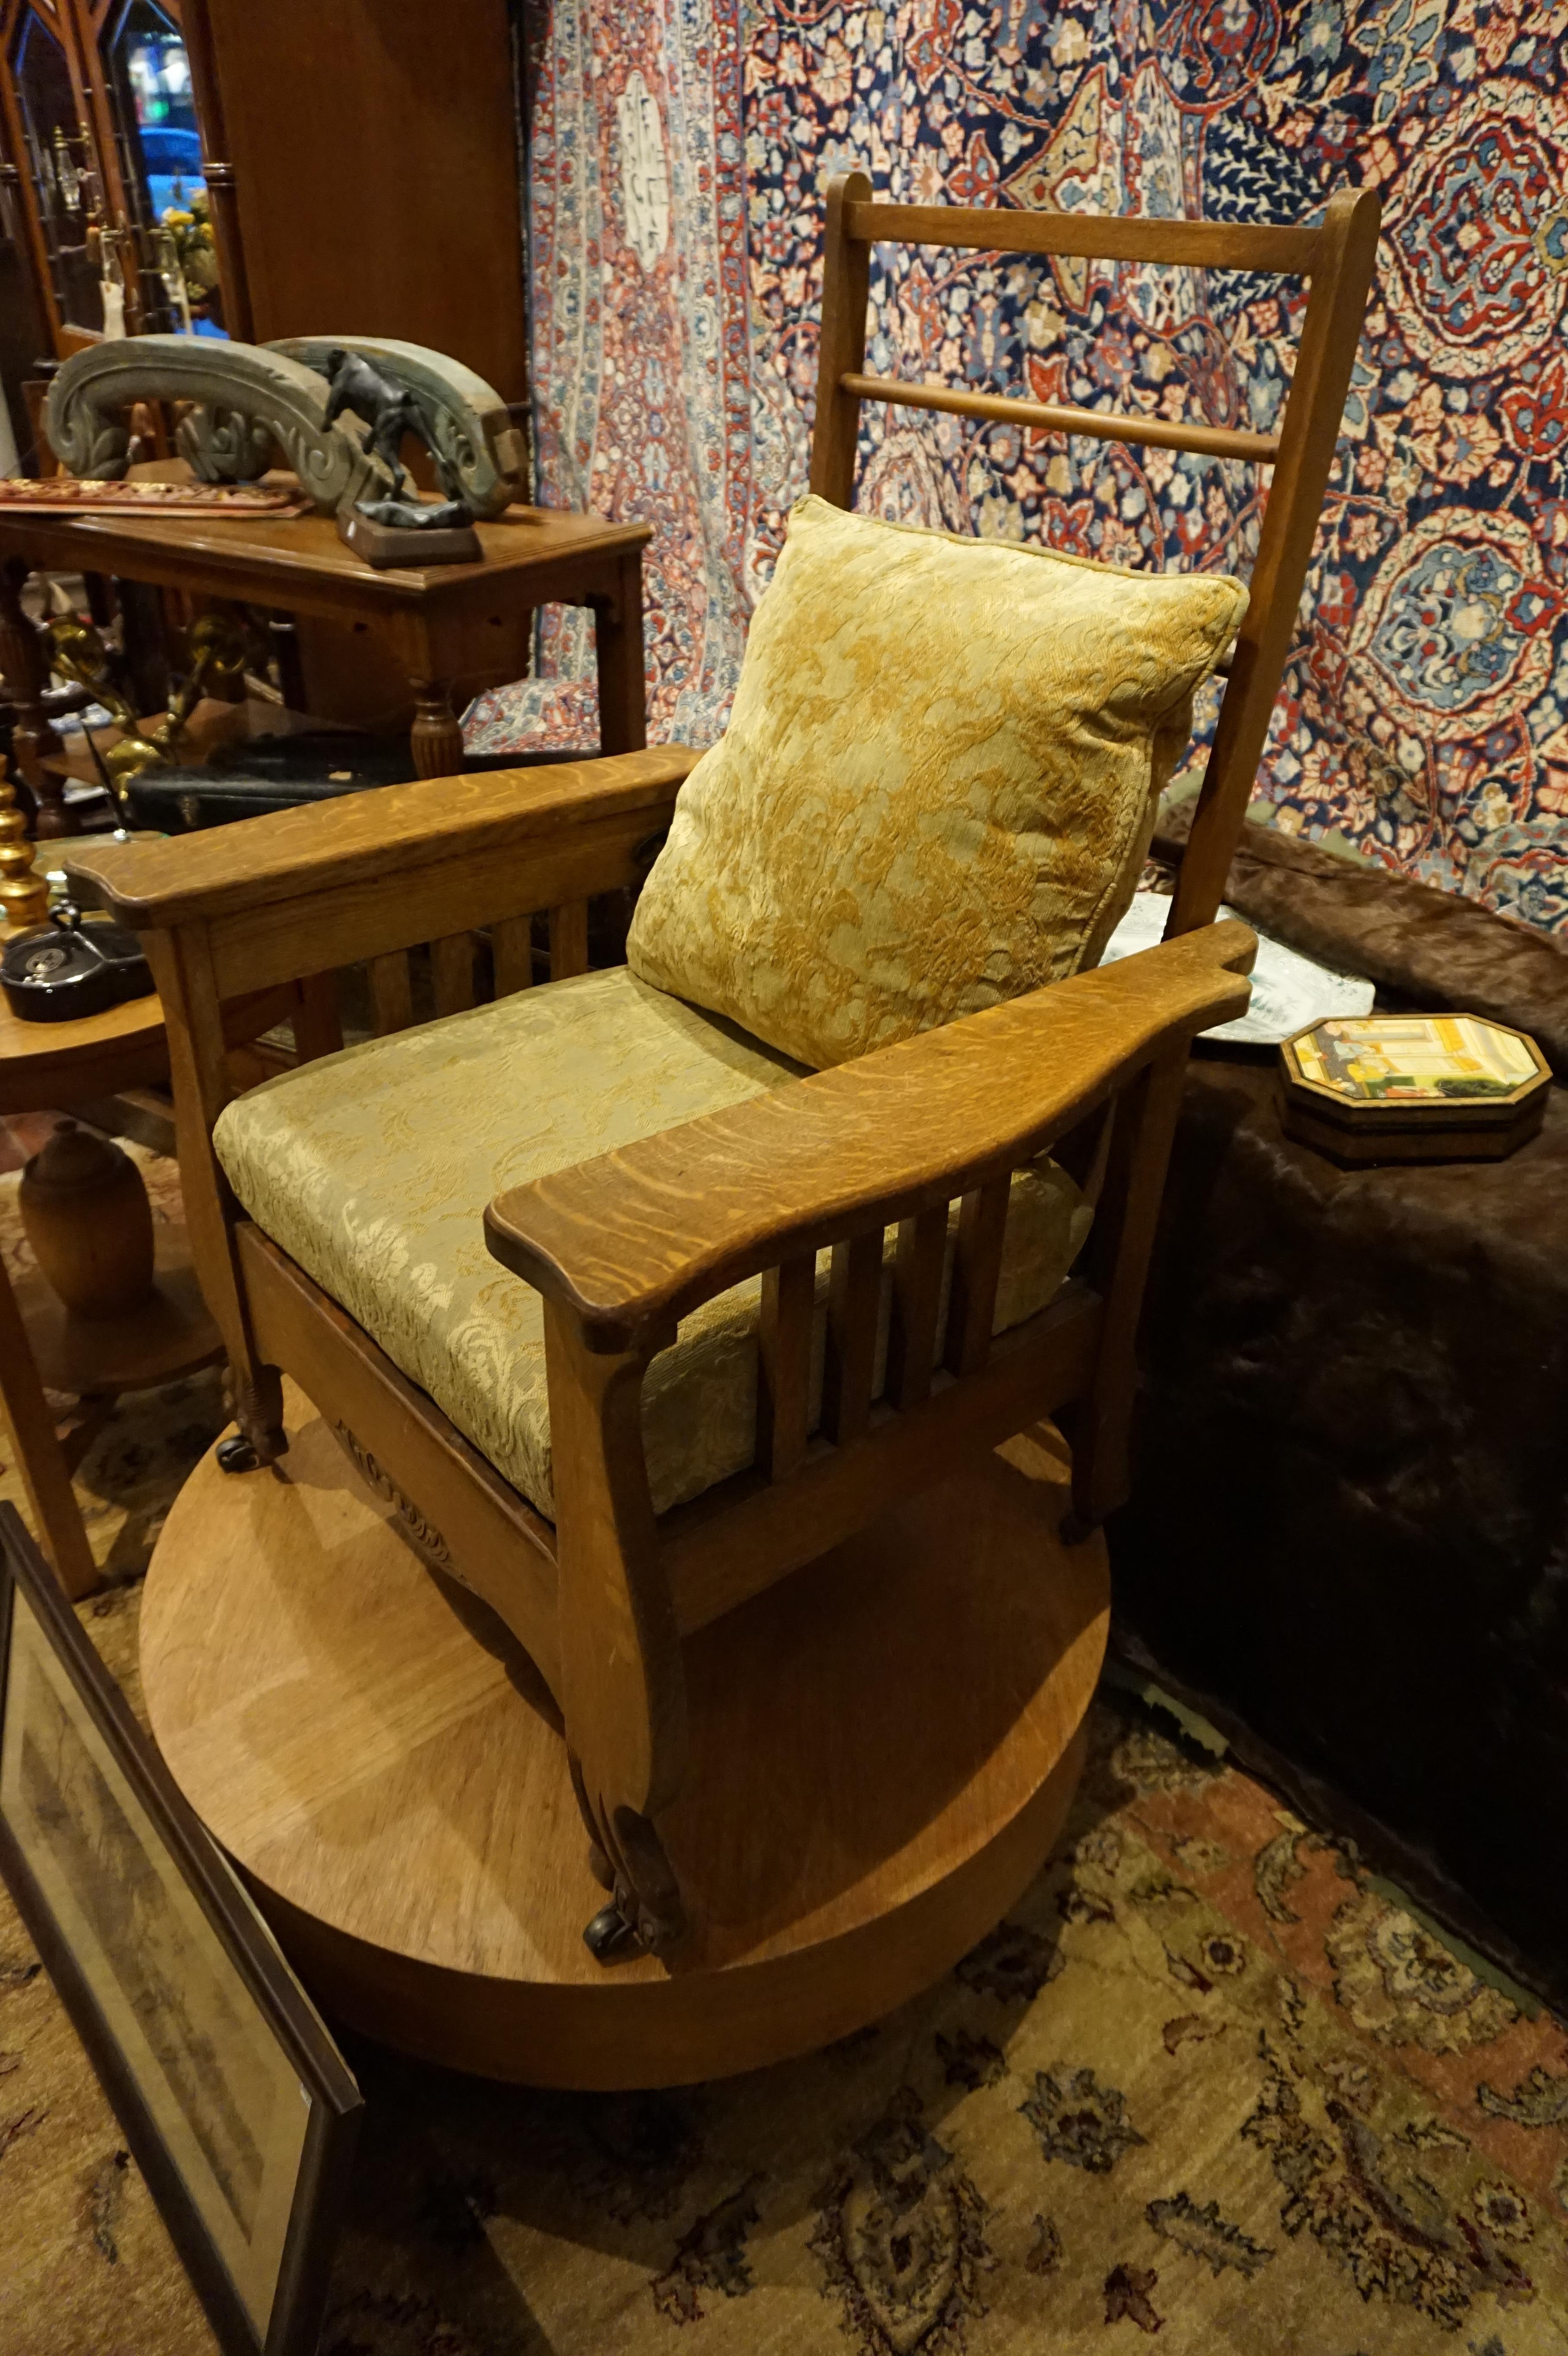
{"x": 236, "y": 1454}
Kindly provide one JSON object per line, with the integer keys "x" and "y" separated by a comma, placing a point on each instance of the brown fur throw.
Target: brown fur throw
{"x": 1350, "y": 1517}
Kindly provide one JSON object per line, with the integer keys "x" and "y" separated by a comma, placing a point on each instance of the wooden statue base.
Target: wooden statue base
{"x": 168, "y": 1334}
{"x": 388, "y": 546}
{"x": 883, "y": 1749}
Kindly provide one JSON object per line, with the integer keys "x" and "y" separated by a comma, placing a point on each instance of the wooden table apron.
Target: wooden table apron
{"x": 437, "y": 622}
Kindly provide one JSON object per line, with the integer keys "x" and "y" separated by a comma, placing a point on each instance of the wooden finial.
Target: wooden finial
{"x": 24, "y": 894}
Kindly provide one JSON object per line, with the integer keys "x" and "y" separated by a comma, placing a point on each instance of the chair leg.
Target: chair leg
{"x": 645, "y": 1908}
{"x": 623, "y": 1690}
{"x": 256, "y": 1403}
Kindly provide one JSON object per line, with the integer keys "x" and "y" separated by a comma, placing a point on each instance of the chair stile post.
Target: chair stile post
{"x": 846, "y": 290}
{"x": 1120, "y": 1249}
{"x": 1310, "y": 430}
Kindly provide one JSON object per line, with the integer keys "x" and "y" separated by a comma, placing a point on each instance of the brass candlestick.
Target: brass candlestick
{"x": 24, "y": 894}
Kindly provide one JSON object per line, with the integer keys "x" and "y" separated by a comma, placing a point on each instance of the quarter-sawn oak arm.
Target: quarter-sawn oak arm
{"x": 630, "y": 1242}
{"x": 361, "y": 839}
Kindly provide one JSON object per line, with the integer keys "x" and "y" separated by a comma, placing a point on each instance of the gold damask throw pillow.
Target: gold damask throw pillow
{"x": 937, "y": 785}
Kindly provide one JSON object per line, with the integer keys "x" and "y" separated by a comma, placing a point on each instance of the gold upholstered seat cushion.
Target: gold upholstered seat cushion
{"x": 372, "y": 1169}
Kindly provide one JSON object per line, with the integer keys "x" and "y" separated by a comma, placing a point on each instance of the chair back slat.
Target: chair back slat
{"x": 512, "y": 949}
{"x": 569, "y": 940}
{"x": 317, "y": 1024}
{"x": 1336, "y": 257}
{"x": 783, "y": 1377}
{"x": 391, "y": 992}
{"x": 1289, "y": 252}
{"x": 1050, "y": 417}
{"x": 451, "y": 973}
{"x": 916, "y": 1307}
{"x": 977, "y": 1270}
{"x": 854, "y": 1306}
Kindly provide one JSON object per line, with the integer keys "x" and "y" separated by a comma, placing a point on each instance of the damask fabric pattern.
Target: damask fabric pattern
{"x": 674, "y": 168}
{"x": 937, "y": 785}
{"x": 372, "y": 1169}
{"x": 1205, "y": 2083}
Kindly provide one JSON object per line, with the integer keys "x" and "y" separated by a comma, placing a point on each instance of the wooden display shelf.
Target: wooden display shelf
{"x": 169, "y": 1335}
{"x": 884, "y": 1747}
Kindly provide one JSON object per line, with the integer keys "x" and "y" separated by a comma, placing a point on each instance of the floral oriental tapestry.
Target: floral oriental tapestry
{"x": 676, "y": 153}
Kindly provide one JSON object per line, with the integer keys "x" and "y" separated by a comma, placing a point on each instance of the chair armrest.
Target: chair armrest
{"x": 630, "y": 1242}
{"x": 361, "y": 839}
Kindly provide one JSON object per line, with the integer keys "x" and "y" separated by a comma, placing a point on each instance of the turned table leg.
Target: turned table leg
{"x": 24, "y": 894}
{"x": 27, "y": 676}
{"x": 436, "y": 738}
{"x": 38, "y": 1453}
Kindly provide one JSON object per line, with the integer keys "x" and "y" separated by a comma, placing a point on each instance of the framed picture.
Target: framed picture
{"x": 240, "y": 2109}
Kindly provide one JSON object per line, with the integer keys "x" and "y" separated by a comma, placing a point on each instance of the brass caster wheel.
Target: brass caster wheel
{"x": 608, "y": 1933}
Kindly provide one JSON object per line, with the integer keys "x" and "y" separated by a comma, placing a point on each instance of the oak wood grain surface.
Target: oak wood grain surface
{"x": 357, "y": 839}
{"x": 637, "y": 1237}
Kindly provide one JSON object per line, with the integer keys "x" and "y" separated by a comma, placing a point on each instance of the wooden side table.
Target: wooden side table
{"x": 451, "y": 623}
{"x": 56, "y": 1065}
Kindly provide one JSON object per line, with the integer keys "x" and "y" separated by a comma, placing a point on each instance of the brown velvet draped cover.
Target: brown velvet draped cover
{"x": 1349, "y": 1524}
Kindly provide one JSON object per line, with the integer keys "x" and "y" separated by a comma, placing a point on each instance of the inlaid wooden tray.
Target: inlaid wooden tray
{"x": 66, "y": 495}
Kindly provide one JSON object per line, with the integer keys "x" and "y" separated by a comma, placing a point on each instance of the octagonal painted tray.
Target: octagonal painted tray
{"x": 1414, "y": 1088}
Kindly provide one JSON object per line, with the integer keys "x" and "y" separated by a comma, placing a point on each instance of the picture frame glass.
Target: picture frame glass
{"x": 232, "y": 2112}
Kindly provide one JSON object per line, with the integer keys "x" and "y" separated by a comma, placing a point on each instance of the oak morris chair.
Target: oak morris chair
{"x": 720, "y": 1408}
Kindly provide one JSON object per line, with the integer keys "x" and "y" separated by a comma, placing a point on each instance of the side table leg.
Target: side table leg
{"x": 436, "y": 738}
{"x": 618, "y": 651}
{"x": 42, "y": 1460}
{"x": 27, "y": 676}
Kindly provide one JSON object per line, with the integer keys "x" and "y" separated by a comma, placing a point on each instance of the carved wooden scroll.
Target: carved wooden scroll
{"x": 250, "y": 402}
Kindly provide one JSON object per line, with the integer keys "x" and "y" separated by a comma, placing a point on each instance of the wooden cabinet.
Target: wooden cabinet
{"x": 373, "y": 155}
{"x": 361, "y": 164}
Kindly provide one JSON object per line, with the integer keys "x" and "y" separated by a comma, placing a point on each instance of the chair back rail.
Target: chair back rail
{"x": 1336, "y": 257}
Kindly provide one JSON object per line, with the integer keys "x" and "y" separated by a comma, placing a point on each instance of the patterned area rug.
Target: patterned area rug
{"x": 675, "y": 159}
{"x": 1210, "y": 2080}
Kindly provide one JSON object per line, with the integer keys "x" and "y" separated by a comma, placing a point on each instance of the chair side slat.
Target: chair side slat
{"x": 853, "y": 1298}
{"x": 917, "y": 1302}
{"x": 783, "y": 1375}
{"x": 976, "y": 1269}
